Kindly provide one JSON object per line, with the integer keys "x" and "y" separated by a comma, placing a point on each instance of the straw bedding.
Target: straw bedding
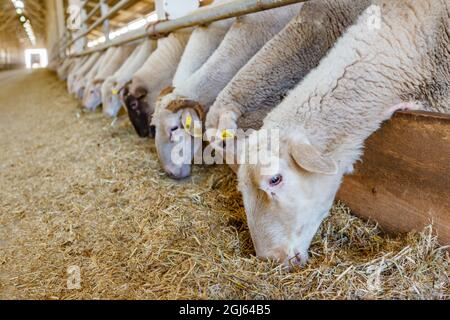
{"x": 78, "y": 190}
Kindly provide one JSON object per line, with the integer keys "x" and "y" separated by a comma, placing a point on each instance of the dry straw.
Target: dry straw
{"x": 78, "y": 191}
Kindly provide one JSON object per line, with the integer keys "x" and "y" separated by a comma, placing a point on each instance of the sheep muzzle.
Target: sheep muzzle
{"x": 138, "y": 113}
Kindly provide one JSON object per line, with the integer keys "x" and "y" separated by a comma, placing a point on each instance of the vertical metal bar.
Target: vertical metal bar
{"x": 60, "y": 20}
{"x": 83, "y": 15}
{"x": 93, "y": 11}
{"x": 104, "y": 10}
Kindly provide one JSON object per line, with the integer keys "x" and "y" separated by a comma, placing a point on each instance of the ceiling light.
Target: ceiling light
{"x": 18, "y": 4}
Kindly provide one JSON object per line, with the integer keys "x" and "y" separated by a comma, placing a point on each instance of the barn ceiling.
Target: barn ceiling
{"x": 12, "y": 32}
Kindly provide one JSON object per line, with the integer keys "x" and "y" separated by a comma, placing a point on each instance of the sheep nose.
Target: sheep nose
{"x": 296, "y": 260}
{"x": 135, "y": 105}
{"x": 80, "y": 93}
{"x": 109, "y": 113}
{"x": 132, "y": 104}
{"x": 152, "y": 132}
{"x": 178, "y": 172}
{"x": 280, "y": 255}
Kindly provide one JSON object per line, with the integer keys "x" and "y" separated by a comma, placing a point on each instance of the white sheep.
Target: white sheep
{"x": 396, "y": 54}
{"x": 202, "y": 44}
{"x": 55, "y": 64}
{"x": 111, "y": 87}
{"x": 74, "y": 67}
{"x": 92, "y": 96}
{"x": 80, "y": 85}
{"x": 83, "y": 69}
{"x": 64, "y": 68}
{"x": 192, "y": 98}
{"x": 281, "y": 64}
{"x": 156, "y": 73}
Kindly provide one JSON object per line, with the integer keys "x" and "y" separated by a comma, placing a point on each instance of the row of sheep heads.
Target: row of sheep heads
{"x": 285, "y": 208}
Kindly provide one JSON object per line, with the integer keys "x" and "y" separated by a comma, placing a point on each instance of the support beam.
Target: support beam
{"x": 63, "y": 33}
{"x": 120, "y": 5}
{"x": 104, "y": 10}
{"x": 93, "y": 11}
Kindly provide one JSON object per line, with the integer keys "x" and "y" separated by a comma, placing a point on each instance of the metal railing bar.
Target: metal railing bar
{"x": 92, "y": 12}
{"x": 202, "y": 16}
{"x": 120, "y": 5}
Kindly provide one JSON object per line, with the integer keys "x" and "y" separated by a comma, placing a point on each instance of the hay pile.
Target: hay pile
{"x": 77, "y": 190}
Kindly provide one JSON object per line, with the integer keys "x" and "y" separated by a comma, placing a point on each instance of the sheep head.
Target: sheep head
{"x": 178, "y": 133}
{"x": 110, "y": 98}
{"x": 287, "y": 193}
{"x": 92, "y": 98}
{"x": 139, "y": 110}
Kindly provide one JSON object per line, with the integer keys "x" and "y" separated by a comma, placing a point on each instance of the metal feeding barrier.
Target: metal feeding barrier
{"x": 160, "y": 28}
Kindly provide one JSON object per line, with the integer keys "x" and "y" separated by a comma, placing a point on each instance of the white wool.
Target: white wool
{"x": 325, "y": 120}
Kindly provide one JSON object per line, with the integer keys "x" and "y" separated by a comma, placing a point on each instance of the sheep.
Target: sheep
{"x": 92, "y": 96}
{"x": 192, "y": 98}
{"x": 112, "y": 85}
{"x": 400, "y": 61}
{"x": 75, "y": 67}
{"x": 72, "y": 63}
{"x": 90, "y": 61}
{"x": 202, "y": 44}
{"x": 55, "y": 64}
{"x": 63, "y": 69}
{"x": 79, "y": 87}
{"x": 156, "y": 73}
{"x": 281, "y": 64}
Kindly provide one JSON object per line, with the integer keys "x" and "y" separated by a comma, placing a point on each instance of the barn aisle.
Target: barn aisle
{"x": 78, "y": 192}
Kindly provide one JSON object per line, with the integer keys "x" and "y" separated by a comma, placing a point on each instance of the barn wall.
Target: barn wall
{"x": 11, "y": 51}
{"x": 11, "y": 57}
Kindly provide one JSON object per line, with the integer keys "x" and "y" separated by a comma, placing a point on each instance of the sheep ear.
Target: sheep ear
{"x": 310, "y": 159}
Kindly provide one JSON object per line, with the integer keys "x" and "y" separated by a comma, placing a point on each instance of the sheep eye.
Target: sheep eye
{"x": 276, "y": 180}
{"x": 174, "y": 128}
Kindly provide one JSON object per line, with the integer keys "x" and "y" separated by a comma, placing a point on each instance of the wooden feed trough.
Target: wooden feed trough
{"x": 403, "y": 182}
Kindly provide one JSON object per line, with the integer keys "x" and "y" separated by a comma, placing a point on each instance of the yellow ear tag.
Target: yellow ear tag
{"x": 115, "y": 91}
{"x": 188, "y": 123}
{"x": 226, "y": 134}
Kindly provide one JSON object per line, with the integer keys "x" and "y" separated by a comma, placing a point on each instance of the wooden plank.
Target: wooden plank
{"x": 403, "y": 182}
